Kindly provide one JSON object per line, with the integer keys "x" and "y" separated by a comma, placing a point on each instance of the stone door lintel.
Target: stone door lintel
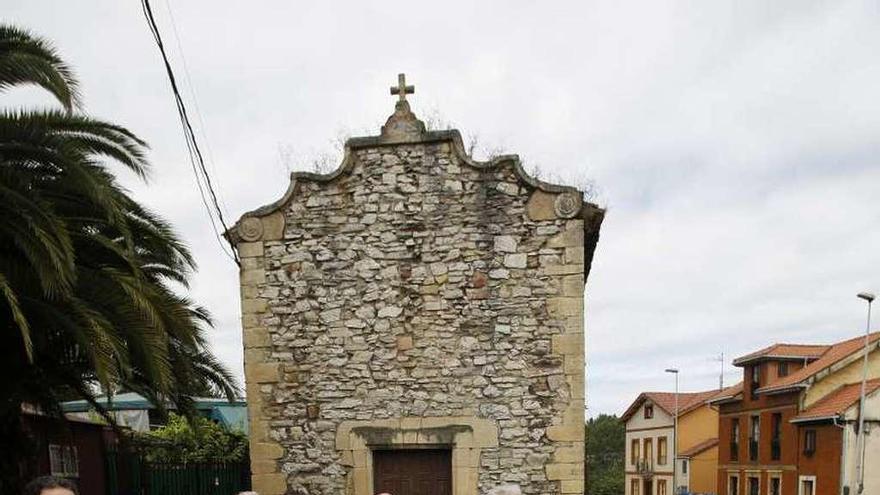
{"x": 464, "y": 436}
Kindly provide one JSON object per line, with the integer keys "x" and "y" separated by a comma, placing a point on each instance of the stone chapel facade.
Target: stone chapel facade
{"x": 413, "y": 323}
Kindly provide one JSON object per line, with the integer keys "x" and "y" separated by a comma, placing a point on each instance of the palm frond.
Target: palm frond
{"x": 29, "y": 59}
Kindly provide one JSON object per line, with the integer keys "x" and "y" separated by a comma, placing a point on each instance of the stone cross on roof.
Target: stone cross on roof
{"x": 402, "y": 125}
{"x": 402, "y": 89}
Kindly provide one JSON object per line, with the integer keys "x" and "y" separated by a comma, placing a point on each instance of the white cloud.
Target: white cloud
{"x": 734, "y": 142}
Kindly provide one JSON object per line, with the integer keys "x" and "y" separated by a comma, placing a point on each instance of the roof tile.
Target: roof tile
{"x": 687, "y": 401}
{"x": 837, "y": 402}
{"x": 791, "y": 351}
{"x": 699, "y": 448}
{"x": 832, "y": 355}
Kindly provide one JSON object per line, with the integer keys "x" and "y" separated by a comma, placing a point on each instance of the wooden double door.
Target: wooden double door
{"x": 412, "y": 472}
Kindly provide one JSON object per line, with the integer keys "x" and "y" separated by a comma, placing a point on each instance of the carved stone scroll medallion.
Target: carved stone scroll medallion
{"x": 251, "y": 229}
{"x": 567, "y": 205}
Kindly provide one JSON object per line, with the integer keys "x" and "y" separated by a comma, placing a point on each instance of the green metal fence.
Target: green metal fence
{"x": 196, "y": 479}
{"x": 128, "y": 474}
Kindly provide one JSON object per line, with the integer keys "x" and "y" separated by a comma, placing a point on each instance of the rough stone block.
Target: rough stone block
{"x": 262, "y": 372}
{"x": 540, "y": 206}
{"x": 553, "y": 270}
{"x": 573, "y": 364}
{"x": 258, "y": 431}
{"x": 250, "y": 249}
{"x": 266, "y": 451}
{"x": 573, "y": 236}
{"x": 404, "y": 342}
{"x": 573, "y": 286}
{"x": 517, "y": 260}
{"x": 252, "y": 306}
{"x": 572, "y": 486}
{"x": 253, "y": 276}
{"x": 569, "y": 453}
{"x": 565, "y": 471}
{"x": 264, "y": 467}
{"x": 574, "y": 255}
{"x": 566, "y": 432}
{"x": 256, "y": 338}
{"x": 568, "y": 344}
{"x": 505, "y": 244}
{"x": 255, "y": 355}
{"x": 561, "y": 307}
{"x": 269, "y": 484}
{"x": 273, "y": 226}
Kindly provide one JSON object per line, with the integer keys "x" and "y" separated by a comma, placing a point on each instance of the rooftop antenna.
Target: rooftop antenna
{"x": 720, "y": 359}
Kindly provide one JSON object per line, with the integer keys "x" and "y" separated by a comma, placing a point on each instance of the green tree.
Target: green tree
{"x": 197, "y": 440}
{"x": 90, "y": 280}
{"x": 605, "y": 444}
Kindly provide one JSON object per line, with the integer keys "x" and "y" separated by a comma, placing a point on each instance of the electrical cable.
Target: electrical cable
{"x": 197, "y": 161}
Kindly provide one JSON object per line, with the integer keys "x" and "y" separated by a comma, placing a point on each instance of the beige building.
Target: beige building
{"x": 413, "y": 323}
{"x": 651, "y": 465}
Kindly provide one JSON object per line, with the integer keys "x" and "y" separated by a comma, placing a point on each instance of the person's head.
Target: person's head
{"x": 50, "y": 485}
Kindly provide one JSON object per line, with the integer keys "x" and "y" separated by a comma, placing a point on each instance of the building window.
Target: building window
{"x": 733, "y": 485}
{"x": 649, "y": 411}
{"x": 649, "y": 453}
{"x": 734, "y": 439}
{"x": 782, "y": 369}
{"x": 63, "y": 461}
{"x": 754, "y": 485}
{"x": 661, "y": 451}
{"x": 807, "y": 485}
{"x": 809, "y": 442}
{"x": 756, "y": 381}
{"x": 634, "y": 486}
{"x": 776, "y": 438}
{"x": 634, "y": 452}
{"x": 754, "y": 436}
{"x": 775, "y": 487}
{"x": 684, "y": 466}
{"x": 661, "y": 487}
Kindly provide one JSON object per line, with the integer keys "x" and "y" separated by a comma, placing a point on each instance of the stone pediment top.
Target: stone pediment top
{"x": 571, "y": 207}
{"x": 402, "y": 126}
{"x": 401, "y": 129}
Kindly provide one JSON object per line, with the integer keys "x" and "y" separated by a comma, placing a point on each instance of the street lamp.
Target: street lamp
{"x": 869, "y": 297}
{"x": 674, "y": 371}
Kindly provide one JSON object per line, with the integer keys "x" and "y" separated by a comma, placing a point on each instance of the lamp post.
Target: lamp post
{"x": 674, "y": 371}
{"x": 860, "y": 473}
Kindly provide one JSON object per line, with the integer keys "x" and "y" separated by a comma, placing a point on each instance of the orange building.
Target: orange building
{"x": 787, "y": 428}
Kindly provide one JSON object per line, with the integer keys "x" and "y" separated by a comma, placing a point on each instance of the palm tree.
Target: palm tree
{"x": 90, "y": 280}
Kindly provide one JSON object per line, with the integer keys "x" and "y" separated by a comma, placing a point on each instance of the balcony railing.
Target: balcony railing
{"x": 775, "y": 449}
{"x": 753, "y": 450}
{"x": 645, "y": 467}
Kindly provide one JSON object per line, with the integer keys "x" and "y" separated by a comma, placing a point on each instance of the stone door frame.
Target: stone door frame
{"x": 465, "y": 437}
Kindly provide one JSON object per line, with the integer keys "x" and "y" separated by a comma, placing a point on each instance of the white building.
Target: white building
{"x": 651, "y": 467}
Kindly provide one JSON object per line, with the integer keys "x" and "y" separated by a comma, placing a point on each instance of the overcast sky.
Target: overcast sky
{"x": 735, "y": 144}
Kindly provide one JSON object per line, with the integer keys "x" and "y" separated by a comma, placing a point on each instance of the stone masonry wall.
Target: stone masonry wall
{"x": 414, "y": 283}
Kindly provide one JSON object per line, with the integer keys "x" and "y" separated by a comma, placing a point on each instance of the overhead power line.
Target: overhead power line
{"x": 197, "y": 161}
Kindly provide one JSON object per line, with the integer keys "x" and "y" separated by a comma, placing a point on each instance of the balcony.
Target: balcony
{"x": 645, "y": 467}
{"x": 753, "y": 450}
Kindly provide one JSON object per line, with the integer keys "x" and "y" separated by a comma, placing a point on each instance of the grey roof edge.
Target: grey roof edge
{"x": 814, "y": 419}
{"x": 772, "y": 357}
{"x": 588, "y": 210}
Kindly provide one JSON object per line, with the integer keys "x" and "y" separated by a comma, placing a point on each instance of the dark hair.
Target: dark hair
{"x": 37, "y": 486}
